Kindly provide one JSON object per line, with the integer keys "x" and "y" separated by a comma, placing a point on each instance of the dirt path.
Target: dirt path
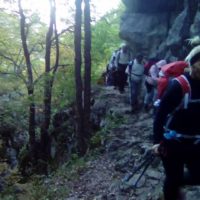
{"x": 102, "y": 178}
{"x": 124, "y": 148}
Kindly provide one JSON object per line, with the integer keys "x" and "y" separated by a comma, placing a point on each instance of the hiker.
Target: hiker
{"x": 166, "y": 74}
{"x": 135, "y": 71}
{"x": 149, "y": 93}
{"x": 112, "y": 62}
{"x": 154, "y": 74}
{"x": 112, "y": 70}
{"x": 177, "y": 129}
{"x": 169, "y": 72}
{"x": 122, "y": 60}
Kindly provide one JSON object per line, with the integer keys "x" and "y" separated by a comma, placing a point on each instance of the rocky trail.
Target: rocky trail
{"x": 124, "y": 148}
{"x": 125, "y": 141}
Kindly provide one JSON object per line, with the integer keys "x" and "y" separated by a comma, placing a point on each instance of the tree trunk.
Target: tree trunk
{"x": 87, "y": 77}
{"x": 82, "y": 147}
{"x": 45, "y": 137}
{"x": 30, "y": 85}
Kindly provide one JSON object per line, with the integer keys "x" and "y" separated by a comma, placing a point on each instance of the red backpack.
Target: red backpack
{"x": 186, "y": 89}
{"x": 169, "y": 71}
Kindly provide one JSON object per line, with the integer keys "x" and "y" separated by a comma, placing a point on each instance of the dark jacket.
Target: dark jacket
{"x": 184, "y": 121}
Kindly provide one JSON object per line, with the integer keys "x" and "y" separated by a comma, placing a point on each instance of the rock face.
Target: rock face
{"x": 160, "y": 27}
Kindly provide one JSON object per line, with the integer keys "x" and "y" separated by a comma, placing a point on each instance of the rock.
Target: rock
{"x": 126, "y": 146}
{"x": 161, "y": 28}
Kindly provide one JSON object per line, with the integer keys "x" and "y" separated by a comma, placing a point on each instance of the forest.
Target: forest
{"x": 48, "y": 69}
{"x": 64, "y": 133}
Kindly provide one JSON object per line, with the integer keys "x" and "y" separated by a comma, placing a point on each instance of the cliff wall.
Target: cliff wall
{"x": 160, "y": 27}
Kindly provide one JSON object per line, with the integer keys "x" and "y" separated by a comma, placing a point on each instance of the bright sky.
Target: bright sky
{"x": 42, "y": 6}
{"x": 103, "y": 6}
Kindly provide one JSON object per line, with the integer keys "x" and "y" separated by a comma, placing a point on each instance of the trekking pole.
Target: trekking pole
{"x": 144, "y": 164}
{"x": 143, "y": 171}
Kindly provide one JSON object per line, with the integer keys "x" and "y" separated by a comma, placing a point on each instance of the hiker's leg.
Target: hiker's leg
{"x": 147, "y": 93}
{"x": 174, "y": 173}
{"x": 138, "y": 86}
{"x": 120, "y": 81}
{"x": 124, "y": 76}
{"x": 174, "y": 166}
{"x": 192, "y": 177}
{"x": 132, "y": 94}
{"x": 114, "y": 78}
{"x": 148, "y": 99}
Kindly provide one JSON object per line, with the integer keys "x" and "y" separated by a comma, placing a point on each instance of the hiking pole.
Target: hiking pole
{"x": 143, "y": 171}
{"x": 144, "y": 164}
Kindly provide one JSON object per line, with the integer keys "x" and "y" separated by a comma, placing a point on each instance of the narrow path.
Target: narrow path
{"x": 123, "y": 150}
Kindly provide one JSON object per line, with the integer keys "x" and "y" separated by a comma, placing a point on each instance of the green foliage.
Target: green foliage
{"x": 23, "y": 152}
{"x": 14, "y": 105}
{"x": 8, "y": 194}
{"x": 95, "y": 141}
{"x": 111, "y": 122}
{"x": 12, "y": 108}
{"x": 72, "y": 168}
{"x": 64, "y": 88}
{"x": 55, "y": 187}
{"x": 105, "y": 39}
{"x": 43, "y": 191}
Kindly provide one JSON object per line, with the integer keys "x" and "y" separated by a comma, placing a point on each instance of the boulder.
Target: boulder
{"x": 160, "y": 28}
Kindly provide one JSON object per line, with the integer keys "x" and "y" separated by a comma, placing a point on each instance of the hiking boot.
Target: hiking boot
{"x": 181, "y": 196}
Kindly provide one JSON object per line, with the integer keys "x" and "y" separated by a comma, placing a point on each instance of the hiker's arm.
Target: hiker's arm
{"x": 117, "y": 59}
{"x": 153, "y": 72}
{"x": 169, "y": 102}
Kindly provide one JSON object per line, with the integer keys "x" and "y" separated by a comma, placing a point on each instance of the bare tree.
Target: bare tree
{"x": 78, "y": 79}
{"x": 29, "y": 82}
{"x": 49, "y": 80}
{"x": 87, "y": 75}
{"x": 82, "y": 92}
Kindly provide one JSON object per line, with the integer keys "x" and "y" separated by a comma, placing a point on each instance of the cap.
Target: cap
{"x": 193, "y": 56}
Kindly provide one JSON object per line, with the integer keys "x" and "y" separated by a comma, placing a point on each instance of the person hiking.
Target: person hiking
{"x": 122, "y": 59}
{"x": 135, "y": 71}
{"x": 112, "y": 70}
{"x": 167, "y": 73}
{"x": 149, "y": 93}
{"x": 151, "y": 81}
{"x": 176, "y": 130}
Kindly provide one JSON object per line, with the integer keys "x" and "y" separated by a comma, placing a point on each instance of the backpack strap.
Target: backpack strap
{"x": 118, "y": 57}
{"x": 186, "y": 89}
{"x": 130, "y": 65}
{"x": 184, "y": 83}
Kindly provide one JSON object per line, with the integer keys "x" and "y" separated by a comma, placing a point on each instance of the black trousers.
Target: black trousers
{"x": 180, "y": 154}
{"x": 121, "y": 77}
{"x": 149, "y": 87}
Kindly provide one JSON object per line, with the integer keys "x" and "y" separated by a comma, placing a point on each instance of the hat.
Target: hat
{"x": 193, "y": 56}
